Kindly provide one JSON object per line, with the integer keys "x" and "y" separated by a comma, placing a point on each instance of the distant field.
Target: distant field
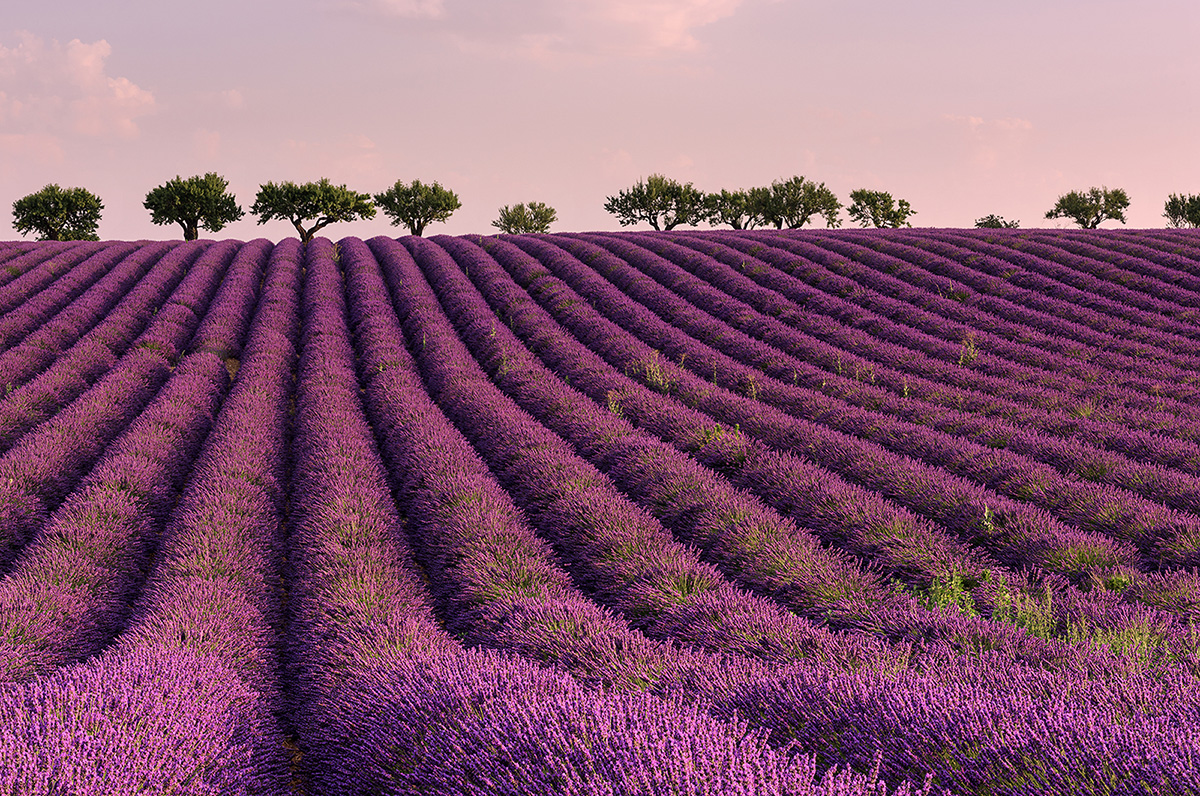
{"x": 705, "y": 512}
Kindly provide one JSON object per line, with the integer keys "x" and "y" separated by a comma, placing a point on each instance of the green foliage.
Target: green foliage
{"x": 322, "y": 201}
{"x": 793, "y": 202}
{"x": 417, "y": 205}
{"x": 1182, "y": 211}
{"x": 59, "y": 214}
{"x": 877, "y": 208}
{"x": 738, "y": 209}
{"x": 1115, "y": 580}
{"x": 614, "y": 403}
{"x": 663, "y": 202}
{"x": 657, "y": 375}
{"x": 707, "y": 435}
{"x": 969, "y": 351}
{"x": 1027, "y": 609}
{"x": 522, "y": 218}
{"x": 193, "y": 203}
{"x": 945, "y": 591}
{"x": 993, "y": 221}
{"x": 1091, "y": 208}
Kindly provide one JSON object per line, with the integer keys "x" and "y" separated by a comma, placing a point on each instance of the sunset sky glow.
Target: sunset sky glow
{"x": 961, "y": 107}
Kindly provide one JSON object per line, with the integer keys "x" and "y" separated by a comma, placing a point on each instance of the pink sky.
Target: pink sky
{"x": 963, "y": 108}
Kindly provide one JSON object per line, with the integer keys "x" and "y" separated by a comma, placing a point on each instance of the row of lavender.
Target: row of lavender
{"x": 400, "y": 706}
{"x": 545, "y": 479}
{"x": 563, "y": 505}
{"x": 1166, "y": 538}
{"x": 816, "y": 498}
{"x": 944, "y": 322}
{"x": 547, "y": 494}
{"x": 150, "y": 634}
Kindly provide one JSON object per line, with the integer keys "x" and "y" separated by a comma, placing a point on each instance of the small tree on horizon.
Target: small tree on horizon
{"x": 417, "y": 205}
{"x": 794, "y": 201}
{"x": 193, "y": 203}
{"x": 738, "y": 209}
{"x": 879, "y": 209}
{"x": 993, "y": 221}
{"x": 1091, "y": 208}
{"x": 59, "y": 213}
{"x": 660, "y": 201}
{"x": 524, "y": 218}
{"x": 321, "y": 200}
{"x": 1182, "y": 211}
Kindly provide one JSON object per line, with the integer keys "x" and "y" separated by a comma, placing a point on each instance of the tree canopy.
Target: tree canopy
{"x": 1091, "y": 208}
{"x": 522, "y": 218}
{"x": 993, "y": 221}
{"x": 320, "y": 201}
{"x": 738, "y": 209}
{"x": 417, "y": 205}
{"x": 1182, "y": 211}
{"x": 662, "y": 202}
{"x": 878, "y": 208}
{"x": 791, "y": 203}
{"x": 193, "y": 203}
{"x": 59, "y": 214}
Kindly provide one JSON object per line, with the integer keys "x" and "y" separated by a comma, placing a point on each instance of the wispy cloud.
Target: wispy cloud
{"x": 350, "y": 157}
{"x": 34, "y": 148}
{"x": 404, "y": 9}
{"x": 656, "y": 25}
{"x": 566, "y": 29}
{"x": 991, "y": 141}
{"x": 207, "y": 144}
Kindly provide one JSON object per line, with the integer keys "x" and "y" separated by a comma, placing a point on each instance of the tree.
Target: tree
{"x": 878, "y": 208}
{"x": 193, "y": 203}
{"x": 793, "y": 202}
{"x": 993, "y": 221}
{"x": 417, "y": 205}
{"x": 1090, "y": 209}
{"x": 663, "y": 202}
{"x": 59, "y": 214}
{"x": 522, "y": 218}
{"x": 1183, "y": 211}
{"x": 322, "y": 201}
{"x": 738, "y": 209}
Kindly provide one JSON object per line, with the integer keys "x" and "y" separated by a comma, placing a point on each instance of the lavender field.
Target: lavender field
{"x": 771, "y": 512}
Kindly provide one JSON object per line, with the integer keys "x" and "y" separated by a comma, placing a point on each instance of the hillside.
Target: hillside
{"x": 705, "y": 512}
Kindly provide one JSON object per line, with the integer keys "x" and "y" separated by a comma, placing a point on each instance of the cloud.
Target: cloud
{"x": 351, "y": 158}
{"x": 615, "y": 161}
{"x": 657, "y": 25}
{"x": 991, "y": 141}
{"x": 405, "y": 9}
{"x": 682, "y": 161}
{"x": 40, "y": 149}
{"x": 207, "y": 143}
{"x": 63, "y": 89}
{"x": 978, "y": 123}
{"x": 1013, "y": 124}
{"x": 565, "y": 29}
